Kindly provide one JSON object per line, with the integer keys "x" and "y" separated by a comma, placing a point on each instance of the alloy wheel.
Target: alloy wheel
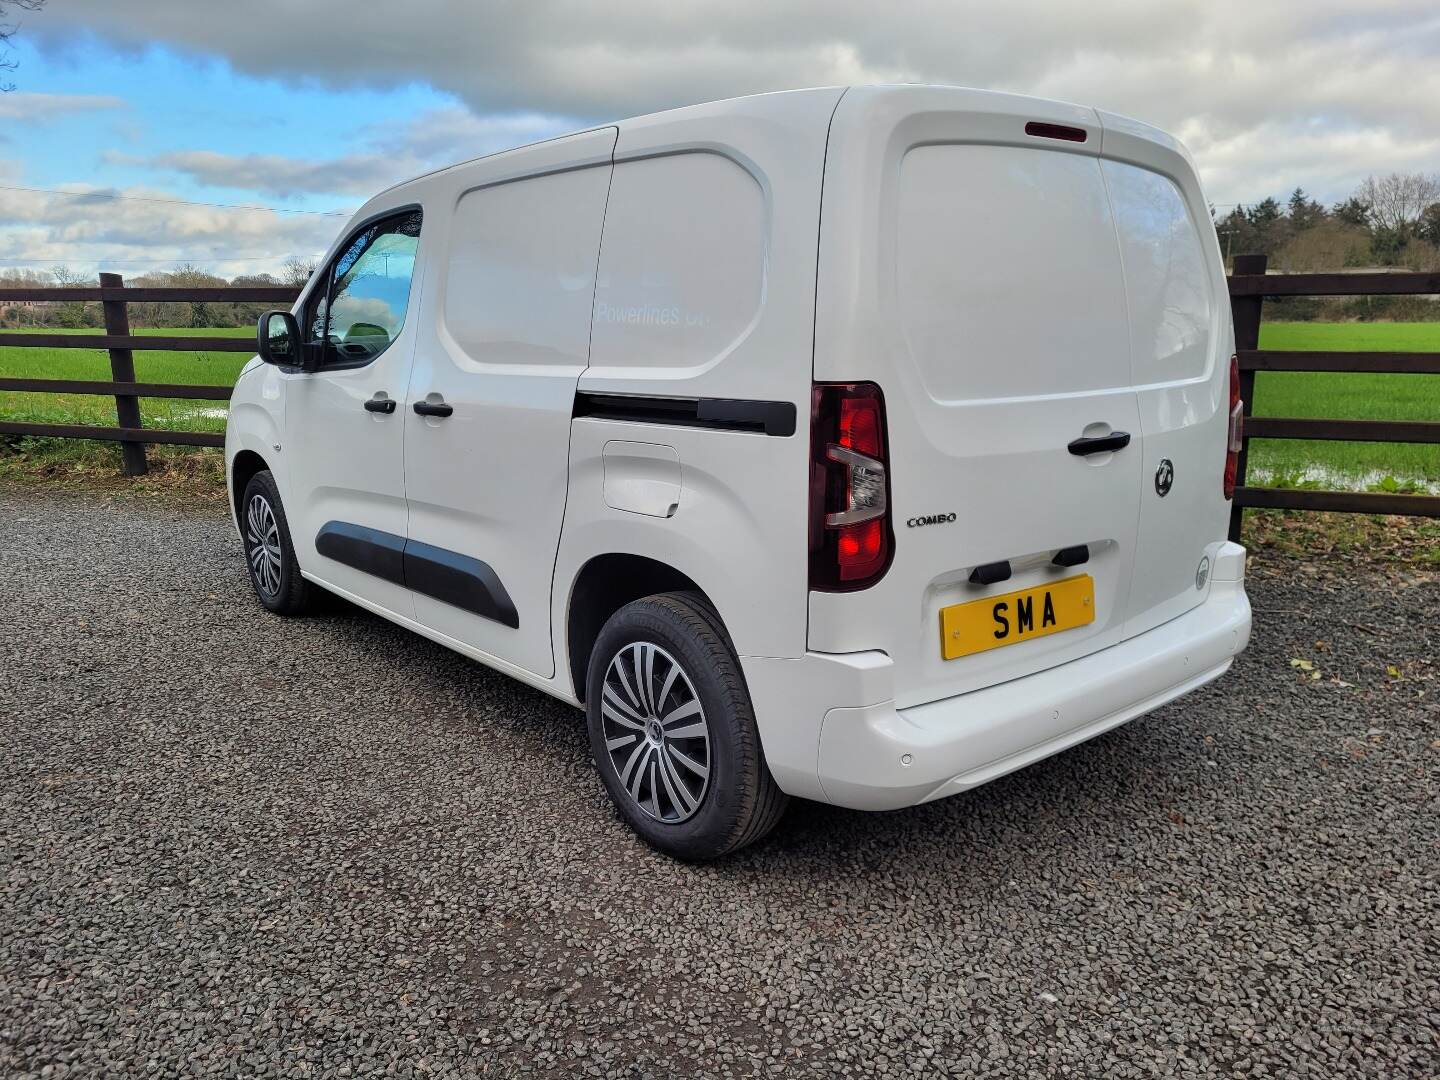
{"x": 655, "y": 732}
{"x": 262, "y": 538}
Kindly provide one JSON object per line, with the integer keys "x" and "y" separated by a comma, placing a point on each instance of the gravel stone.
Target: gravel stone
{"x": 233, "y": 845}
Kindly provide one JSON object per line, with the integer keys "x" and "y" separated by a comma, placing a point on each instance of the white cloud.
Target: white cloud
{"x": 1267, "y": 94}
{"x": 42, "y": 229}
{"x": 434, "y": 139}
{"x": 22, "y": 106}
{"x": 1222, "y": 67}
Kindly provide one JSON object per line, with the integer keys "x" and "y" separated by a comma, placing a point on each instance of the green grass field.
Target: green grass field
{"x": 217, "y": 369}
{"x": 1291, "y": 462}
{"x": 1272, "y": 461}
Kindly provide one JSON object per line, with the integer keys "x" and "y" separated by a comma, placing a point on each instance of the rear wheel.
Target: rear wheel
{"x": 673, "y": 731}
{"x": 274, "y": 573}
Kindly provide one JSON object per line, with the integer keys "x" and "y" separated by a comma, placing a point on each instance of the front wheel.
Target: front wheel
{"x": 274, "y": 572}
{"x": 673, "y": 731}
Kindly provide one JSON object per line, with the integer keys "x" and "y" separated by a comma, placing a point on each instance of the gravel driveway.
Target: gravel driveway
{"x": 234, "y": 845}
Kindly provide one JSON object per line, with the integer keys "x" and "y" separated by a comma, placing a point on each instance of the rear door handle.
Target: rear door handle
{"x": 434, "y": 408}
{"x": 1116, "y": 440}
{"x": 380, "y": 404}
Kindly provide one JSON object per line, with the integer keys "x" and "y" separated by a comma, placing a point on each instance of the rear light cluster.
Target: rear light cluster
{"x": 850, "y": 537}
{"x": 1236, "y": 437}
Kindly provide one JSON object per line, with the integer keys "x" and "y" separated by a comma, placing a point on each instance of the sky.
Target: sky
{"x": 306, "y": 107}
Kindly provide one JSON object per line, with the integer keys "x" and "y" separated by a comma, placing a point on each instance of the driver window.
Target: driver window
{"x": 362, "y": 307}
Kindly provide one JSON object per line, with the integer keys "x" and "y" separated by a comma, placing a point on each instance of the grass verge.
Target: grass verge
{"x": 1344, "y": 538}
{"x": 178, "y": 474}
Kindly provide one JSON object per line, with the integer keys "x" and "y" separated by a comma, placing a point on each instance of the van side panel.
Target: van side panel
{"x": 705, "y": 297}
{"x": 504, "y": 341}
{"x": 681, "y": 280}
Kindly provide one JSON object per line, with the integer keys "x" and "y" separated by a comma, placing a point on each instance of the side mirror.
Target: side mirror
{"x": 278, "y": 339}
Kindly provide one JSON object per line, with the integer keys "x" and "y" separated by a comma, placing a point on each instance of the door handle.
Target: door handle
{"x": 1116, "y": 440}
{"x": 380, "y": 404}
{"x": 433, "y": 408}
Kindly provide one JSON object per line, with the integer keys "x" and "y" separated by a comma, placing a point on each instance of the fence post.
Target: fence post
{"x": 122, "y": 369}
{"x": 1245, "y": 310}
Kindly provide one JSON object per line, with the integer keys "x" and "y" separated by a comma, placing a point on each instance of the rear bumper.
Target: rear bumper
{"x": 831, "y": 731}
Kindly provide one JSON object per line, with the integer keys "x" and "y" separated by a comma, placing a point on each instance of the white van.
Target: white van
{"x": 860, "y": 445}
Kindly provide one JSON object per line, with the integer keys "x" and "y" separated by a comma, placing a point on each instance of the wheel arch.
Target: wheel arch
{"x": 604, "y": 585}
{"x": 245, "y": 465}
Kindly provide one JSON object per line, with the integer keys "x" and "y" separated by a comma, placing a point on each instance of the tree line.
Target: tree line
{"x": 82, "y": 314}
{"x": 1389, "y": 220}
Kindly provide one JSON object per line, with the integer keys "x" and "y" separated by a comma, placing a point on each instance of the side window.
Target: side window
{"x": 361, "y": 308}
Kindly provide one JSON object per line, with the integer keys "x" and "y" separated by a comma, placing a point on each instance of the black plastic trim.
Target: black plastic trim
{"x": 990, "y": 573}
{"x": 369, "y": 550}
{"x": 444, "y": 575}
{"x": 459, "y": 580}
{"x": 724, "y": 414}
{"x": 1072, "y": 556}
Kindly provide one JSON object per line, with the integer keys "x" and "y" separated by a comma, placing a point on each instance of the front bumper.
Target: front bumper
{"x": 831, "y": 731}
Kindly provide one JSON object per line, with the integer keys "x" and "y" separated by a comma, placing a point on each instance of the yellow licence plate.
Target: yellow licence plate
{"x": 1016, "y": 616}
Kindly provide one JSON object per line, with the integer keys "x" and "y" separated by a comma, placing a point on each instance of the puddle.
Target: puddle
{"x": 1333, "y": 480}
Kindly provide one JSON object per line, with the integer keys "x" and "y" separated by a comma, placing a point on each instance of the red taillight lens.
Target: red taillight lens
{"x": 1235, "y": 438}
{"x": 860, "y": 425}
{"x": 850, "y": 539}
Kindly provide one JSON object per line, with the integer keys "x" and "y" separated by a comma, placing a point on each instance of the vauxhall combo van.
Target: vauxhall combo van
{"x": 860, "y": 445}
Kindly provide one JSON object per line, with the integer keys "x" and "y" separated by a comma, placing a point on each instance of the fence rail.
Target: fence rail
{"x": 121, "y": 344}
{"x": 1248, "y": 286}
{"x": 127, "y": 341}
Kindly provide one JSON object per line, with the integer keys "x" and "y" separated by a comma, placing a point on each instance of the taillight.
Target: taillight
{"x": 1235, "y": 439}
{"x": 850, "y": 540}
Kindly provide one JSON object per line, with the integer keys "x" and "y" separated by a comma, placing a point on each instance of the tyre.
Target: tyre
{"x": 673, "y": 731}
{"x": 274, "y": 573}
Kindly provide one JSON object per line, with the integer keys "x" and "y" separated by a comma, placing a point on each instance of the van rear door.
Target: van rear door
{"x": 1181, "y": 340}
{"x": 973, "y": 272}
{"x": 1019, "y": 276}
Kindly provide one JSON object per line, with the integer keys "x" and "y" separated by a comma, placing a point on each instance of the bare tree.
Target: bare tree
{"x": 297, "y": 271}
{"x": 8, "y": 30}
{"x": 188, "y": 275}
{"x": 1397, "y": 201}
{"x": 70, "y": 279}
{"x": 72, "y": 313}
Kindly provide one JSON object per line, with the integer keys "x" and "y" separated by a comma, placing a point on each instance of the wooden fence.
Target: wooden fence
{"x": 130, "y": 431}
{"x": 1249, "y": 286}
